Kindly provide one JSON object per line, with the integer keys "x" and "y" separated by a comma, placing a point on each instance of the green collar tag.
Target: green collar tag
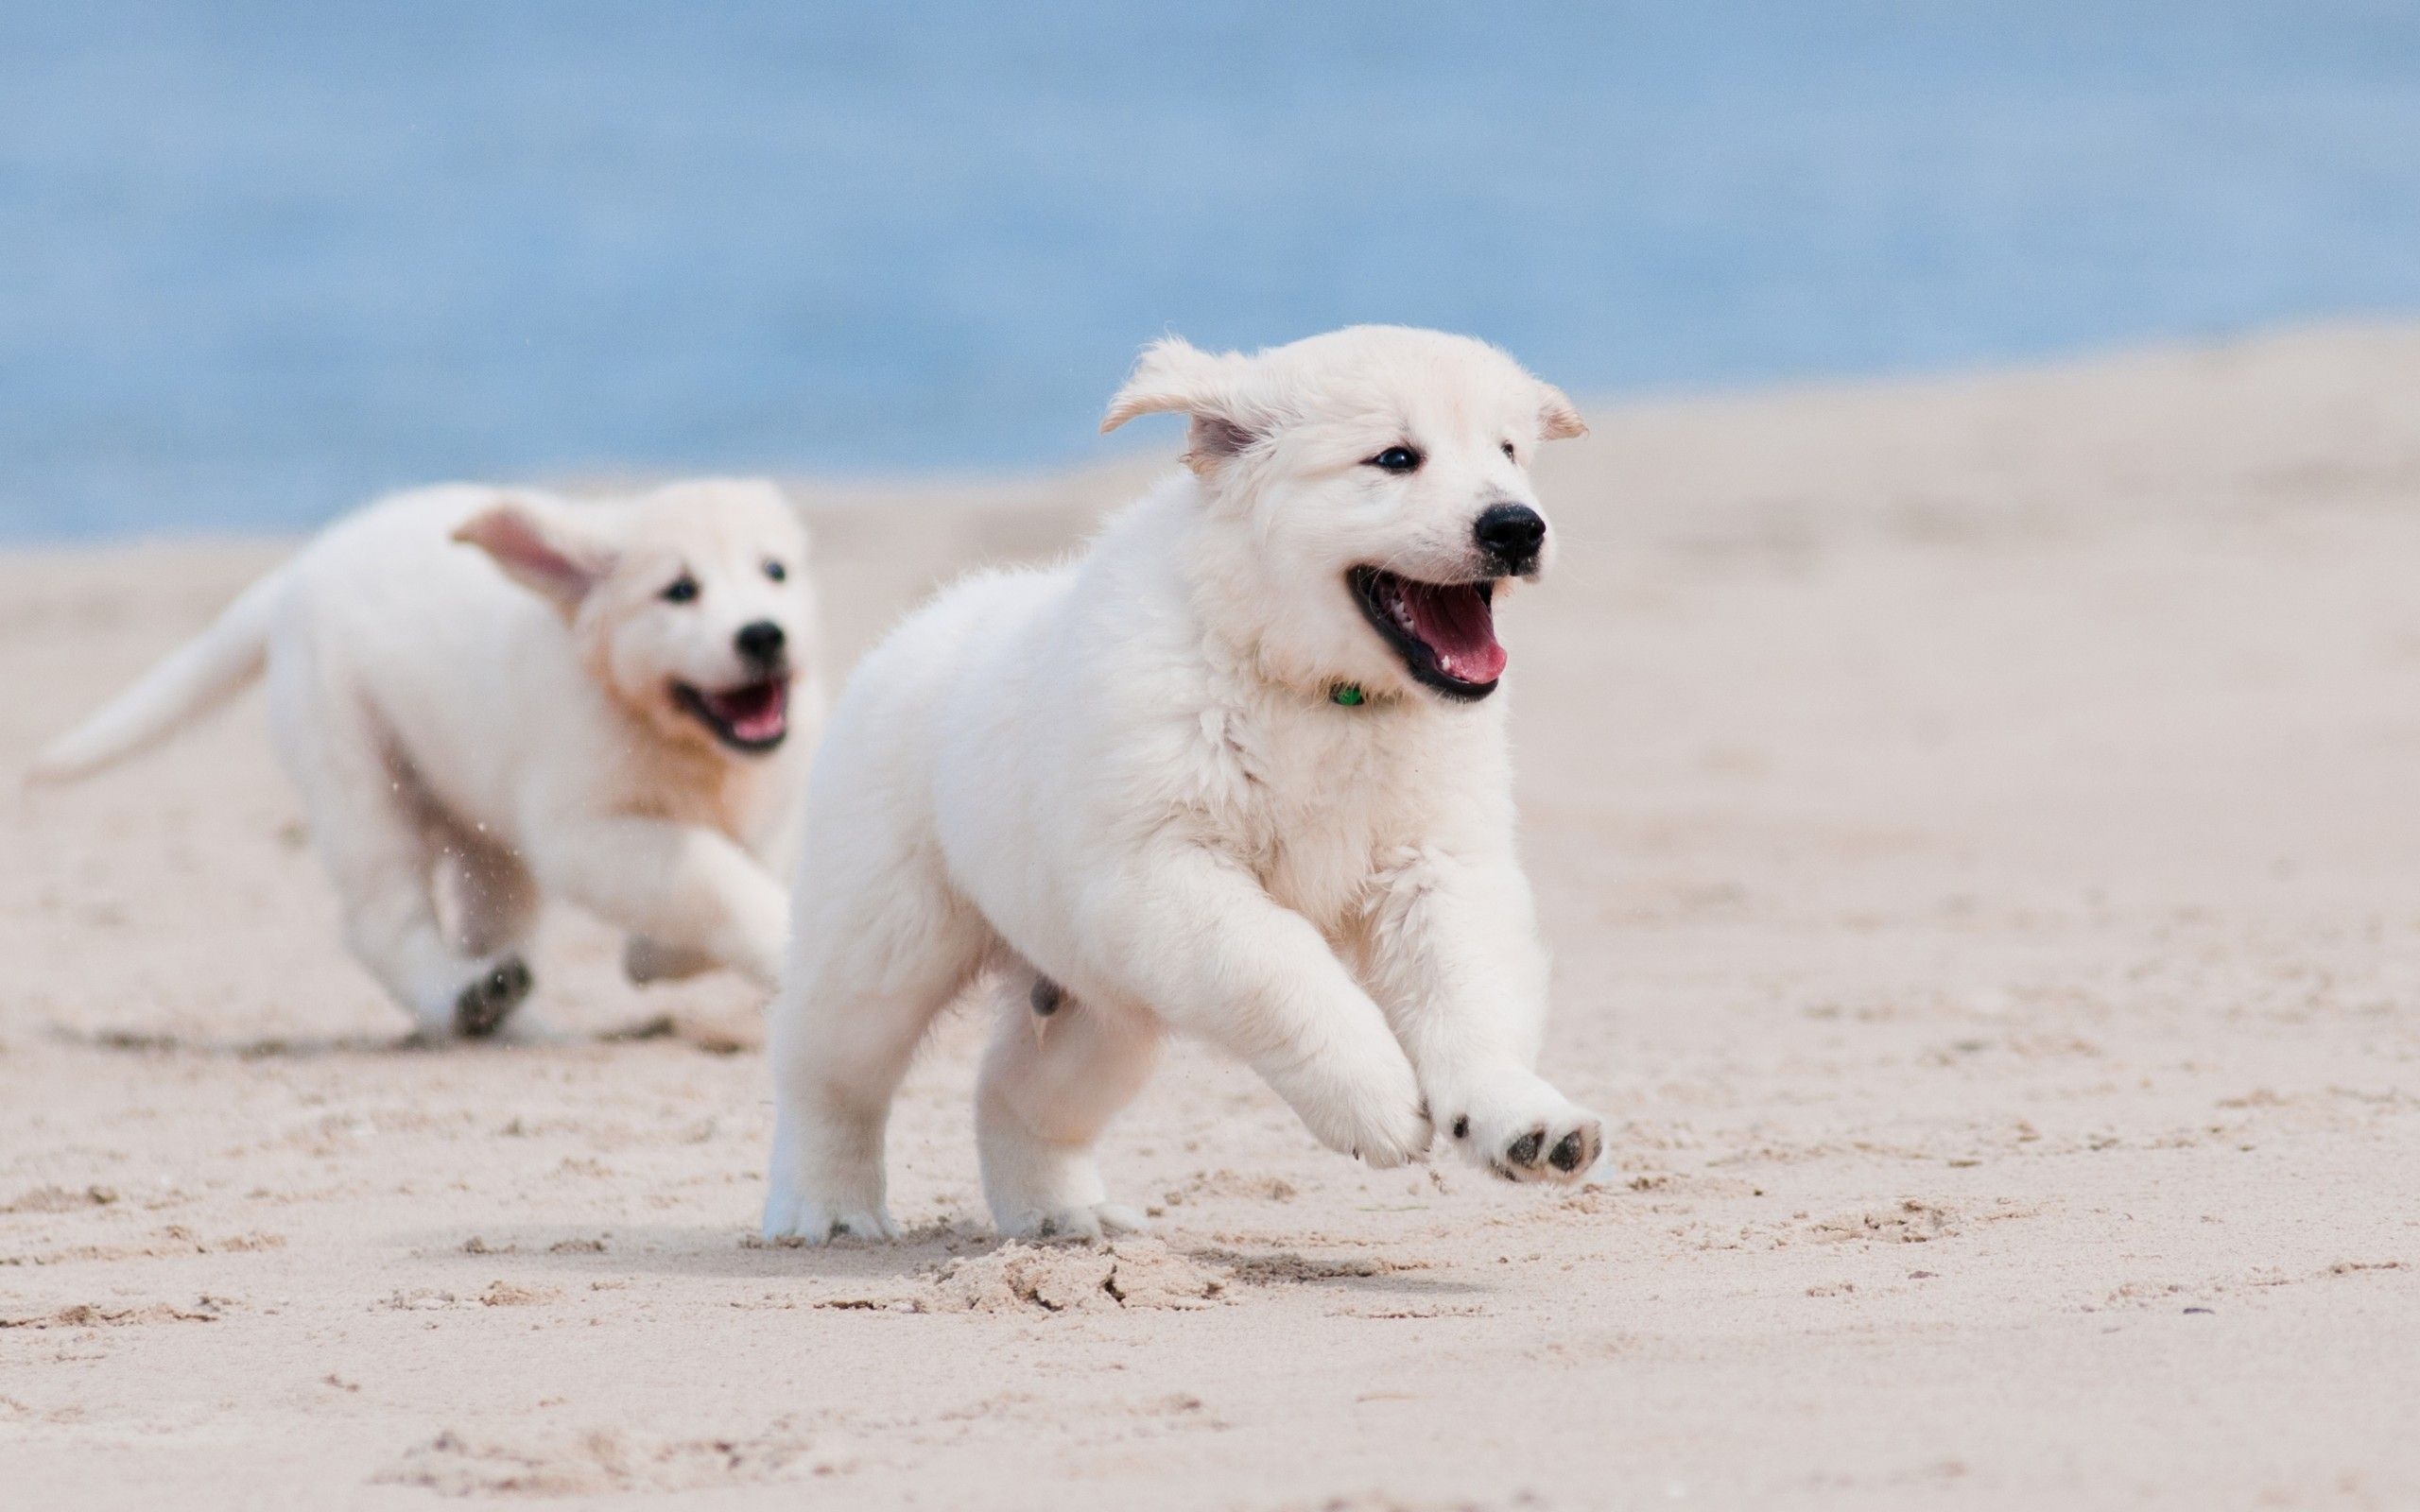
{"x": 1347, "y": 694}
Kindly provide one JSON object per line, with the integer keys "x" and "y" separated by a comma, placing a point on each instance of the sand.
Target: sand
{"x": 1975, "y": 821}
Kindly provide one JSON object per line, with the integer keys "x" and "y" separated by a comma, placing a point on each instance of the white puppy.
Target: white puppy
{"x": 495, "y": 695}
{"x": 1235, "y": 771}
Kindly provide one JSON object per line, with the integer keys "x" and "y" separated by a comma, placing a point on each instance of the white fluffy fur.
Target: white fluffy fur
{"x": 1127, "y": 774}
{"x": 471, "y": 687}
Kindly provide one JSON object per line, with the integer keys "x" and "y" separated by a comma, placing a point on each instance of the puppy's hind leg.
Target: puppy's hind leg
{"x": 380, "y": 839}
{"x": 495, "y": 899}
{"x": 491, "y": 901}
{"x": 874, "y": 961}
{"x": 1056, "y": 1071}
{"x": 380, "y": 865}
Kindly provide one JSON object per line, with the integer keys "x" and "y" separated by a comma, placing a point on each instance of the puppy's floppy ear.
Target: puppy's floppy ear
{"x": 1176, "y": 377}
{"x": 1558, "y": 417}
{"x": 541, "y": 548}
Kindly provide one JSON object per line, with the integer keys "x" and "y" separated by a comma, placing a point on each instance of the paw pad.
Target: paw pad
{"x": 481, "y": 1007}
{"x": 1568, "y": 1152}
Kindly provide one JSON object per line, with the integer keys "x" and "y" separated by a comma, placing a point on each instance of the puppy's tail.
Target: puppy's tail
{"x": 195, "y": 679}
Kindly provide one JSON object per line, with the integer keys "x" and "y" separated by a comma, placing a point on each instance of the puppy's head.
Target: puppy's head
{"x": 692, "y": 605}
{"x": 1370, "y": 494}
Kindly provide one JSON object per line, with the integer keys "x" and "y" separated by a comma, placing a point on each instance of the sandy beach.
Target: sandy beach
{"x": 1974, "y": 819}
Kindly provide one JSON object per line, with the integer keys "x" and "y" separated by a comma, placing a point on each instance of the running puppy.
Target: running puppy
{"x": 1235, "y": 771}
{"x": 500, "y": 696}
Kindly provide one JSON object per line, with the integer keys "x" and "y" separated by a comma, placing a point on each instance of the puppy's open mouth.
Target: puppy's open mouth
{"x": 1445, "y": 632}
{"x": 752, "y": 716}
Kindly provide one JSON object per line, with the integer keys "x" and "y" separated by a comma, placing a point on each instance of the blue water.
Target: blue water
{"x": 259, "y": 260}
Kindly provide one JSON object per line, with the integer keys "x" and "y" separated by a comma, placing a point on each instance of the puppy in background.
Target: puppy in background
{"x": 1240, "y": 770}
{"x": 498, "y": 696}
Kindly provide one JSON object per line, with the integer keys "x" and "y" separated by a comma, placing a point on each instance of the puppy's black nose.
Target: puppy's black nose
{"x": 761, "y": 642}
{"x": 1511, "y": 535}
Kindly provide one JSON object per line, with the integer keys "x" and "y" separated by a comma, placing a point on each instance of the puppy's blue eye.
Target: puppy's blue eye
{"x": 1396, "y": 459}
{"x": 776, "y": 571}
{"x": 682, "y": 591}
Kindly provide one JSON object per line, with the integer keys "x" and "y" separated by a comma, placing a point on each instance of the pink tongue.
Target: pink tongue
{"x": 755, "y": 713}
{"x": 1460, "y": 628}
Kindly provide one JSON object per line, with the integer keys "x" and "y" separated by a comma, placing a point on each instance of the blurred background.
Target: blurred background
{"x": 259, "y": 260}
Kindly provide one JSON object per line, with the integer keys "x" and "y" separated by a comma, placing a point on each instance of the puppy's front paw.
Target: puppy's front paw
{"x": 791, "y": 1216}
{"x": 480, "y": 1008}
{"x": 1524, "y": 1130}
{"x": 1371, "y": 1111}
{"x": 1395, "y": 1136}
{"x": 1100, "y": 1220}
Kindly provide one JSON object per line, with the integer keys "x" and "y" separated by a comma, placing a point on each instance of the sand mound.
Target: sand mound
{"x": 454, "y": 1463}
{"x": 91, "y": 1315}
{"x": 61, "y": 1199}
{"x": 1132, "y": 1273}
{"x": 1910, "y": 1223}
